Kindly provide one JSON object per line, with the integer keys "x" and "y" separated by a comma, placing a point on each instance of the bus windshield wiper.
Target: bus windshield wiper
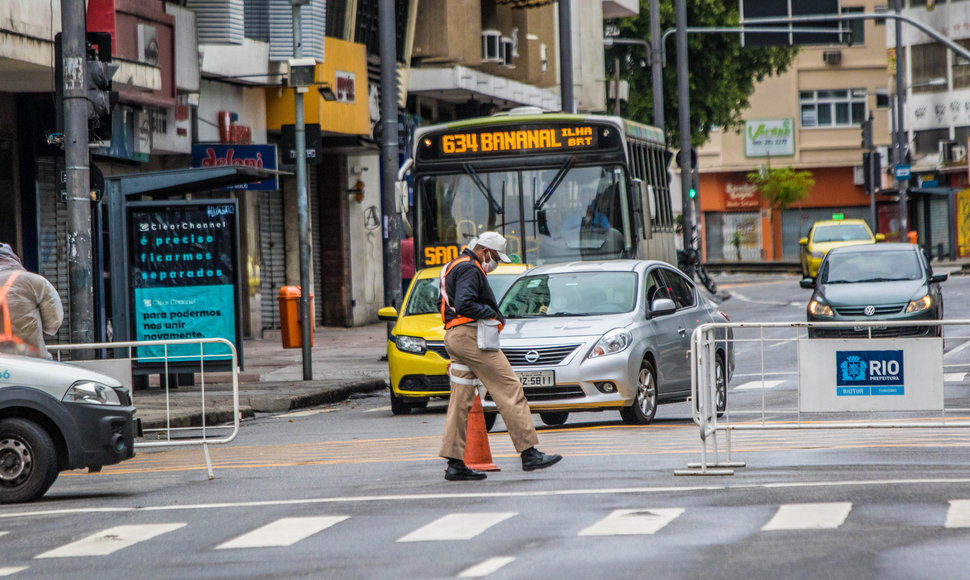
{"x": 554, "y": 183}
{"x": 483, "y": 188}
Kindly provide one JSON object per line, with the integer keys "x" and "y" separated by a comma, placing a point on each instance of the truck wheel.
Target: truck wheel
{"x": 28, "y": 461}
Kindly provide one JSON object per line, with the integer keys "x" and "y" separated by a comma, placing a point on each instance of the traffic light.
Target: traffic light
{"x": 867, "y": 133}
{"x": 692, "y": 193}
{"x": 98, "y": 71}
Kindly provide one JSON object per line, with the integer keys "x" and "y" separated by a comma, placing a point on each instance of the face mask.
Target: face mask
{"x": 490, "y": 265}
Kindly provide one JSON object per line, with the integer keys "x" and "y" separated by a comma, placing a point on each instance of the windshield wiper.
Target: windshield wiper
{"x": 556, "y": 180}
{"x": 483, "y": 188}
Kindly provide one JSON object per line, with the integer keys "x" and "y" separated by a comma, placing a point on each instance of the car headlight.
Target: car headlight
{"x": 412, "y": 344}
{"x": 919, "y": 304}
{"x": 612, "y": 342}
{"x": 817, "y": 308}
{"x": 92, "y": 393}
{"x": 818, "y": 255}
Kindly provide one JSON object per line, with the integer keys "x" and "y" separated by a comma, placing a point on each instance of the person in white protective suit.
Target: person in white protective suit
{"x": 29, "y": 307}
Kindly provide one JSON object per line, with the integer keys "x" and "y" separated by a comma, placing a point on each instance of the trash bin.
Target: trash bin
{"x": 291, "y": 330}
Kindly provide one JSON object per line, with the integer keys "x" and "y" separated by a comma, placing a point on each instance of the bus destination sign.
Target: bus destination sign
{"x": 485, "y": 141}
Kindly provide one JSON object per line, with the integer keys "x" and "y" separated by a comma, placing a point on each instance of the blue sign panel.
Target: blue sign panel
{"x": 183, "y": 275}
{"x": 259, "y": 156}
{"x": 869, "y": 372}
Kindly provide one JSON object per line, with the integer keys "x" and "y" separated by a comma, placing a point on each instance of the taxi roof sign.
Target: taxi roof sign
{"x": 838, "y": 216}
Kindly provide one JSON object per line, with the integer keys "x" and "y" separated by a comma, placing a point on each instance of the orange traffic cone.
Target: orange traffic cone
{"x": 478, "y": 455}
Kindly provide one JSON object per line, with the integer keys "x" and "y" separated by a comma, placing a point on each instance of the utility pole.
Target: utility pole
{"x": 302, "y": 202}
{"x": 77, "y": 170}
{"x": 899, "y": 151}
{"x": 656, "y": 68}
{"x": 616, "y": 86}
{"x": 389, "y": 154}
{"x": 566, "y": 57}
{"x": 683, "y": 90}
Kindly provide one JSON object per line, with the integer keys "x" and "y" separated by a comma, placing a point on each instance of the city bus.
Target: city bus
{"x": 560, "y": 187}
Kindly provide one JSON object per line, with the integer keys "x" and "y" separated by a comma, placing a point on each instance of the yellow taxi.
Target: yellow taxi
{"x": 416, "y": 352}
{"x": 828, "y": 234}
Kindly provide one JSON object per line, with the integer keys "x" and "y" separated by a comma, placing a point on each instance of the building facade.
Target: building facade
{"x": 808, "y": 118}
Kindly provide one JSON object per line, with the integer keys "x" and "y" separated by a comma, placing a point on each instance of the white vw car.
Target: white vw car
{"x": 595, "y": 336}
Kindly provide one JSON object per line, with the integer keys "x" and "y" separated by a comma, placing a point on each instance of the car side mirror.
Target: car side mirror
{"x": 662, "y": 306}
{"x": 807, "y": 283}
{"x": 880, "y": 237}
{"x": 803, "y": 242}
{"x": 937, "y": 278}
{"x": 387, "y": 314}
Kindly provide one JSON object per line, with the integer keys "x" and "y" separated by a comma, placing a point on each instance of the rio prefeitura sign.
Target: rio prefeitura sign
{"x": 183, "y": 274}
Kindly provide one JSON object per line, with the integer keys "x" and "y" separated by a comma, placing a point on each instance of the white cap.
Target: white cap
{"x": 493, "y": 241}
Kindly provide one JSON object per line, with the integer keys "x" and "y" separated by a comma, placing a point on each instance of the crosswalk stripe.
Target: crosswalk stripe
{"x": 953, "y": 377}
{"x": 456, "y": 527}
{"x": 809, "y": 516}
{"x": 282, "y": 532}
{"x": 485, "y": 568}
{"x": 11, "y": 570}
{"x": 632, "y": 522}
{"x": 958, "y": 516}
{"x": 758, "y": 385}
{"x": 111, "y": 540}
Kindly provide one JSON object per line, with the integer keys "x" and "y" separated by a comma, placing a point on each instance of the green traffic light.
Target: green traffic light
{"x": 692, "y": 193}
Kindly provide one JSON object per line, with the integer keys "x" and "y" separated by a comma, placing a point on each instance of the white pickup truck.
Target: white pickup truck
{"x": 55, "y": 417}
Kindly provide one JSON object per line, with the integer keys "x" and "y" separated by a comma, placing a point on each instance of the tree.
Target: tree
{"x": 782, "y": 187}
{"x": 722, "y": 73}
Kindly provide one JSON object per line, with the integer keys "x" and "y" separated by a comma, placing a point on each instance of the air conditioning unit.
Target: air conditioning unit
{"x": 491, "y": 46}
{"x": 951, "y": 152}
{"x": 832, "y": 56}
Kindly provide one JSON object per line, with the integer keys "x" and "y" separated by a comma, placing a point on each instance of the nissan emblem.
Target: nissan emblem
{"x": 531, "y": 357}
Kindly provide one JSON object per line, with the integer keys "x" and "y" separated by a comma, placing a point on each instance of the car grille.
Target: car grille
{"x": 876, "y": 332}
{"x": 439, "y": 349}
{"x": 551, "y": 355}
{"x": 881, "y": 310}
{"x": 424, "y": 383}
{"x": 439, "y": 382}
{"x": 550, "y": 393}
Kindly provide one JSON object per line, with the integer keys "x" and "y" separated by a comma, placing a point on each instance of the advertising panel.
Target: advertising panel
{"x": 870, "y": 375}
{"x": 769, "y": 138}
{"x": 183, "y": 274}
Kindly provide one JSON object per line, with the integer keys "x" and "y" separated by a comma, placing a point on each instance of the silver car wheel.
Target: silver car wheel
{"x": 644, "y": 406}
{"x": 720, "y": 385}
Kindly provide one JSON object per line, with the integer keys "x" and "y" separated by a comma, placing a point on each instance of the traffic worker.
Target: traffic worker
{"x": 29, "y": 307}
{"x": 466, "y": 298}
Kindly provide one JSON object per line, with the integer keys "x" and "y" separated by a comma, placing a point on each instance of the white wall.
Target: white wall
{"x": 366, "y": 240}
{"x": 248, "y": 103}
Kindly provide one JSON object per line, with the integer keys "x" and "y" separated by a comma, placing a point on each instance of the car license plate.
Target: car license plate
{"x": 537, "y": 378}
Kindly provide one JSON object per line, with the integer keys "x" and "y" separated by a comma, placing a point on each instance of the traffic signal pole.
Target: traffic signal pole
{"x": 77, "y": 170}
{"x": 683, "y": 110}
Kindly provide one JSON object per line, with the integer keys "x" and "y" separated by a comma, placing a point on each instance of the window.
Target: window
{"x": 961, "y": 68}
{"x": 681, "y": 290}
{"x": 882, "y": 99}
{"x": 858, "y": 27}
{"x": 833, "y": 108}
{"x": 929, "y": 68}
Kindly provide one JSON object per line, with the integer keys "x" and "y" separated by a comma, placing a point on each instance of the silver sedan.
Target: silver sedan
{"x": 595, "y": 336}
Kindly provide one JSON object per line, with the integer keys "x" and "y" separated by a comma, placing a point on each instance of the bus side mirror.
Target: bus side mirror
{"x": 400, "y": 196}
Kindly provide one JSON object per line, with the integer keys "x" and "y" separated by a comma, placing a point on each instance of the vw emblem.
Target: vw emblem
{"x": 531, "y": 357}
{"x": 870, "y": 310}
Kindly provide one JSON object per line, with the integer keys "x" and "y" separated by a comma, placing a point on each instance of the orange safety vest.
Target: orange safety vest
{"x": 444, "y": 294}
{"x": 7, "y": 336}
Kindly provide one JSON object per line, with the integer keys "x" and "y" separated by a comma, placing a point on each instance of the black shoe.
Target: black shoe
{"x": 532, "y": 458}
{"x": 458, "y": 471}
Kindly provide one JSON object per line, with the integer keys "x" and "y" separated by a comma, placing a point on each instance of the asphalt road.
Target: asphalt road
{"x": 350, "y": 491}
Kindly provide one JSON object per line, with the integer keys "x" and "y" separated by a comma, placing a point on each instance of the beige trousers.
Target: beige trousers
{"x": 495, "y": 372}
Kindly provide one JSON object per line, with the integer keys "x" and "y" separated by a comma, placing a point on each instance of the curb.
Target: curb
{"x": 269, "y": 404}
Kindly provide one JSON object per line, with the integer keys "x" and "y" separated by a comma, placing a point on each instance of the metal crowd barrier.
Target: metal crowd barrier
{"x": 775, "y": 415}
{"x": 125, "y": 356}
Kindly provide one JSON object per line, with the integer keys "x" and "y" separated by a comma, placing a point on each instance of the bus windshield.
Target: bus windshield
{"x": 547, "y": 215}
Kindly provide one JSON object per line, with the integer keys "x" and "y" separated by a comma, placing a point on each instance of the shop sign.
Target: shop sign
{"x": 183, "y": 275}
{"x": 260, "y": 156}
{"x": 741, "y": 195}
{"x": 769, "y": 138}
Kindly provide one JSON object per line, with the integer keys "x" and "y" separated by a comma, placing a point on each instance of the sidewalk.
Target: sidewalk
{"x": 344, "y": 361}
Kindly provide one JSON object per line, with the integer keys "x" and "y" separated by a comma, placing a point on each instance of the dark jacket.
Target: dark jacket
{"x": 469, "y": 293}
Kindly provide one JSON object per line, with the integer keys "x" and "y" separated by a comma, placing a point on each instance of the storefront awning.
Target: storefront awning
{"x": 190, "y": 180}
